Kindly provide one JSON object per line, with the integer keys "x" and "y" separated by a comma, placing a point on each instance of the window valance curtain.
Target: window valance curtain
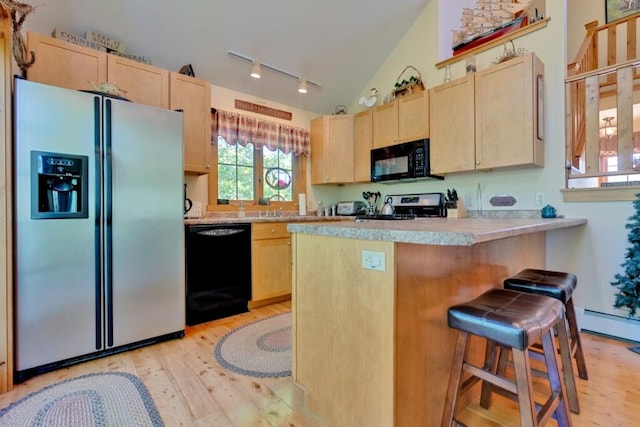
{"x": 240, "y": 129}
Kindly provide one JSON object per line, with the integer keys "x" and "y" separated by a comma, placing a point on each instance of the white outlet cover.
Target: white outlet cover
{"x": 373, "y": 260}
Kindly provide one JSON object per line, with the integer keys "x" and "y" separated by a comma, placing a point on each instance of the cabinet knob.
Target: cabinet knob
{"x": 477, "y": 162}
{"x": 273, "y": 230}
{"x": 208, "y": 166}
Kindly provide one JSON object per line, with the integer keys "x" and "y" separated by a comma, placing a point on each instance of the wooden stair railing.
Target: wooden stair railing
{"x": 589, "y": 59}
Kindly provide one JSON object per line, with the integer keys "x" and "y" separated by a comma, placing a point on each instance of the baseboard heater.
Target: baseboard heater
{"x": 609, "y": 324}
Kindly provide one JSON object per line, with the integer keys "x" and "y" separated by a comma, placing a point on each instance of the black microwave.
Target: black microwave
{"x": 406, "y": 161}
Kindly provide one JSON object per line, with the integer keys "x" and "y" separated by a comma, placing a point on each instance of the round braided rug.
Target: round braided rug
{"x": 259, "y": 349}
{"x": 106, "y": 399}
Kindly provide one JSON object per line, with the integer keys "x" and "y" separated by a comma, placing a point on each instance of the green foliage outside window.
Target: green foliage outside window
{"x": 237, "y": 166}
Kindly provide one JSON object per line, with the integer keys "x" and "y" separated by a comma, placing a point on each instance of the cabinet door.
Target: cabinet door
{"x": 63, "y": 64}
{"x": 362, "y": 145}
{"x": 332, "y": 149}
{"x": 413, "y": 117}
{"x": 144, "y": 84}
{"x": 271, "y": 261}
{"x": 506, "y": 114}
{"x": 385, "y": 125}
{"x": 452, "y": 140}
{"x": 193, "y": 96}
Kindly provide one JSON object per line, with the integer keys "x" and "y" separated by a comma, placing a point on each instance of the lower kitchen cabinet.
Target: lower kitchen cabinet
{"x": 270, "y": 263}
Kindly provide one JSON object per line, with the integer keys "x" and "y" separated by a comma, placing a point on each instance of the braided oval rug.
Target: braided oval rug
{"x": 259, "y": 349}
{"x": 106, "y": 399}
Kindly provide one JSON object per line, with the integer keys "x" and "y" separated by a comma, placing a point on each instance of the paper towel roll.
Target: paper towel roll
{"x": 302, "y": 204}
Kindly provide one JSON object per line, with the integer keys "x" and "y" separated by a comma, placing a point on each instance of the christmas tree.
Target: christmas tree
{"x": 628, "y": 284}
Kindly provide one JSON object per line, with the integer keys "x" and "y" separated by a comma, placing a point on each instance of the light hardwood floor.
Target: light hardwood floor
{"x": 191, "y": 389}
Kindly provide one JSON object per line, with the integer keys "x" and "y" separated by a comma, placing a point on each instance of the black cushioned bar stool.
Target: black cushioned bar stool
{"x": 509, "y": 321}
{"x": 558, "y": 285}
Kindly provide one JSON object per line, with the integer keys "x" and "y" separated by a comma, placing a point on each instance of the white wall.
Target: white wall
{"x": 595, "y": 251}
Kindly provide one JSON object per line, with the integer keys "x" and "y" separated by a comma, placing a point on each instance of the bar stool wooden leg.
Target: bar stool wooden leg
{"x": 557, "y": 384}
{"x": 576, "y": 343}
{"x": 567, "y": 367}
{"x": 453, "y": 389}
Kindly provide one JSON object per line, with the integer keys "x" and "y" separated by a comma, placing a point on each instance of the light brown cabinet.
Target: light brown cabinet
{"x": 270, "y": 262}
{"x": 404, "y": 119}
{"x": 144, "y": 84}
{"x": 60, "y": 63}
{"x": 509, "y": 114}
{"x": 362, "y": 145}
{"x": 452, "y": 138}
{"x": 490, "y": 119}
{"x": 193, "y": 96}
{"x": 332, "y": 149}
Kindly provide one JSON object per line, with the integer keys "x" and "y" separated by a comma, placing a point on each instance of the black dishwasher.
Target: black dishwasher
{"x": 218, "y": 271}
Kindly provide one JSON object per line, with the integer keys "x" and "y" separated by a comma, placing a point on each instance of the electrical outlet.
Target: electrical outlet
{"x": 539, "y": 199}
{"x": 373, "y": 260}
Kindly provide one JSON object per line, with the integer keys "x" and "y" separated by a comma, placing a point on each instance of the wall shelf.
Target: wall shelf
{"x": 495, "y": 42}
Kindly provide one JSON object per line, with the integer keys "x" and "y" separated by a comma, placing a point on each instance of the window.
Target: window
{"x": 256, "y": 161}
{"x": 239, "y": 168}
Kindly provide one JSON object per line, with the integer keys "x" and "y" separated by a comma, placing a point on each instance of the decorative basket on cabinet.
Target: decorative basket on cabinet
{"x": 408, "y": 85}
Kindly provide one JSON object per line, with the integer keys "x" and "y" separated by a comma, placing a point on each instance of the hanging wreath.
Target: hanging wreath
{"x": 19, "y": 12}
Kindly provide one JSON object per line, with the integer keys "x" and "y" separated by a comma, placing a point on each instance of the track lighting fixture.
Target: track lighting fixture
{"x": 256, "y": 71}
{"x": 303, "y": 85}
{"x": 257, "y": 66}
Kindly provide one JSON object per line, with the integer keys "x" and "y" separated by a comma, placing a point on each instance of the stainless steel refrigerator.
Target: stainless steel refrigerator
{"x": 99, "y": 238}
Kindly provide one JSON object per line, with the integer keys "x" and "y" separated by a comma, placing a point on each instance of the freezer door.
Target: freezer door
{"x": 55, "y": 258}
{"x": 144, "y": 204}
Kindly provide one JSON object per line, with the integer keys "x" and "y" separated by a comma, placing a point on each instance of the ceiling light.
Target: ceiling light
{"x": 277, "y": 70}
{"x": 608, "y": 129}
{"x": 256, "y": 71}
{"x": 303, "y": 85}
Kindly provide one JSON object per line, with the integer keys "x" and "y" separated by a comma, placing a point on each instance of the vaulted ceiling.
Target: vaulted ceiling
{"x": 336, "y": 43}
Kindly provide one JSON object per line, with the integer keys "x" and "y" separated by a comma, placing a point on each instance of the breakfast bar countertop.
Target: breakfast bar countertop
{"x": 437, "y": 231}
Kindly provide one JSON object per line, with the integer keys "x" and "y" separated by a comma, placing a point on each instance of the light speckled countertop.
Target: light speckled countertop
{"x": 436, "y": 231}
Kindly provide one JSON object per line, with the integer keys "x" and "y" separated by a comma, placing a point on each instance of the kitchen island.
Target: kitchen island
{"x": 371, "y": 345}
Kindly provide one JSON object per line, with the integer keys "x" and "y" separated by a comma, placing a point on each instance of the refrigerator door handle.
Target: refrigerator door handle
{"x": 97, "y": 137}
{"x": 108, "y": 195}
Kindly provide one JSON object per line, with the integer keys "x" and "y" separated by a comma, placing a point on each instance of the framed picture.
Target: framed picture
{"x": 617, "y": 9}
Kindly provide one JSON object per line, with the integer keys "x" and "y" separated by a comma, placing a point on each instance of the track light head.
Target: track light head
{"x": 256, "y": 71}
{"x": 303, "y": 85}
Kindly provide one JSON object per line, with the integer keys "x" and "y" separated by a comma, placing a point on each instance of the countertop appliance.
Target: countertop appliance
{"x": 210, "y": 250}
{"x": 408, "y": 161}
{"x": 351, "y": 208}
{"x": 99, "y": 256}
{"x": 412, "y": 206}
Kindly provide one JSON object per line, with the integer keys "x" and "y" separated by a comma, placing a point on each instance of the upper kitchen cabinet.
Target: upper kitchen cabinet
{"x": 332, "y": 149}
{"x": 59, "y": 63}
{"x": 64, "y": 64}
{"x": 193, "y": 96}
{"x": 362, "y": 145}
{"x": 143, "y": 84}
{"x": 404, "y": 119}
{"x": 490, "y": 119}
{"x": 452, "y": 133}
{"x": 509, "y": 125}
